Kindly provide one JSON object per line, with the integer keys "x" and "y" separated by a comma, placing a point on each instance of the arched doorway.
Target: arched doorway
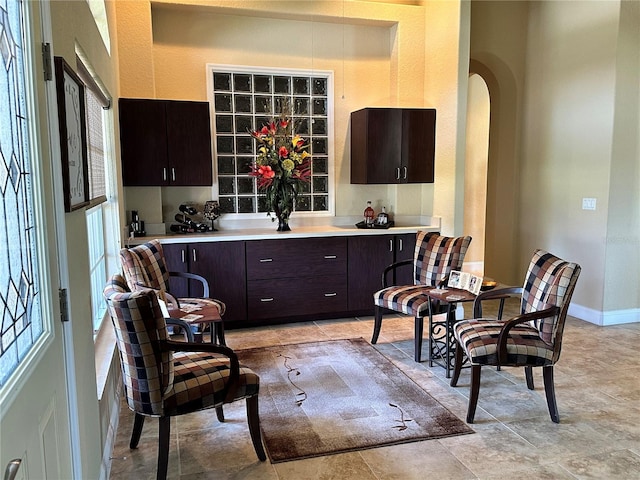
{"x": 476, "y": 168}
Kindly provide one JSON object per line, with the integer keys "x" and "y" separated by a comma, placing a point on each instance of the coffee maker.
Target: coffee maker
{"x": 136, "y": 227}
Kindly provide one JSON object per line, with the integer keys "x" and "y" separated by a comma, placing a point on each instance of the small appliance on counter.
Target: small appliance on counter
{"x": 136, "y": 227}
{"x": 187, "y": 224}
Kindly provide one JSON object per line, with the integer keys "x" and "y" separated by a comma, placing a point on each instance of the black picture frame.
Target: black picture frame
{"x": 73, "y": 136}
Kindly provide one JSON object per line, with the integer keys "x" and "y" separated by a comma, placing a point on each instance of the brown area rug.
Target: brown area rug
{"x": 337, "y": 396}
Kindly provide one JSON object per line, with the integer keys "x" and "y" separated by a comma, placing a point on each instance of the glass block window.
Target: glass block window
{"x": 21, "y": 321}
{"x": 244, "y": 101}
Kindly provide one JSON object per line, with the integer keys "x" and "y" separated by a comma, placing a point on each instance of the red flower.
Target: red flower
{"x": 283, "y": 152}
{"x": 284, "y": 122}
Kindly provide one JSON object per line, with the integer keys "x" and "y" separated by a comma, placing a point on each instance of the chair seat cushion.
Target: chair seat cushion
{"x": 208, "y": 301}
{"x": 199, "y": 382}
{"x": 407, "y": 299}
{"x": 479, "y": 339}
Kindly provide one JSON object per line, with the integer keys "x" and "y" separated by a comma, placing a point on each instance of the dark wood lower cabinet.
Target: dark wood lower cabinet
{"x": 369, "y": 255}
{"x": 285, "y": 280}
{"x": 221, "y": 263}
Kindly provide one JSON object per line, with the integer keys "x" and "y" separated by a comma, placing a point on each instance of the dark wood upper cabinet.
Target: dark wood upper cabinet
{"x": 393, "y": 145}
{"x": 165, "y": 142}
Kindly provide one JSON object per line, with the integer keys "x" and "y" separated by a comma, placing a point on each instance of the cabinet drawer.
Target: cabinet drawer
{"x": 296, "y": 257}
{"x": 301, "y": 296}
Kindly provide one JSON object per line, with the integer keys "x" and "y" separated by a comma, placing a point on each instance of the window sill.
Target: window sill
{"x": 105, "y": 343}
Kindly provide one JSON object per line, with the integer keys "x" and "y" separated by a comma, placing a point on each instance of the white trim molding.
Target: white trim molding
{"x": 597, "y": 317}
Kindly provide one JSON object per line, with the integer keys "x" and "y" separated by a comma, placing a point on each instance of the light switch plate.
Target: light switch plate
{"x": 588, "y": 203}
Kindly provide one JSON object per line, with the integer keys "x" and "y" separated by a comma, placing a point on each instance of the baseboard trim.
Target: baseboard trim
{"x": 597, "y": 317}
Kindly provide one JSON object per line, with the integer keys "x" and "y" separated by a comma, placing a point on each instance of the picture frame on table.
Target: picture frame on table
{"x": 73, "y": 136}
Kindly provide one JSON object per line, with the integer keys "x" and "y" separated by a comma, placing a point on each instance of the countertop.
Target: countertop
{"x": 305, "y": 231}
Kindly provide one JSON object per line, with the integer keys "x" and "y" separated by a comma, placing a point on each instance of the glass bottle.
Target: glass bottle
{"x": 383, "y": 217}
{"x": 368, "y": 215}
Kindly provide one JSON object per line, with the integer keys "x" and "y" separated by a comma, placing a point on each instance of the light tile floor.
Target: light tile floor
{"x": 597, "y": 389}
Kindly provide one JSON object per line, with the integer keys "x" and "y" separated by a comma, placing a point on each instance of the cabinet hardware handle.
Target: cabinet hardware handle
{"x": 398, "y": 173}
{"x": 391, "y": 245}
{"x": 329, "y": 257}
{"x": 266, "y": 299}
{"x": 263, "y": 260}
{"x": 404, "y": 169}
{"x": 164, "y": 174}
{"x": 401, "y": 244}
{"x": 183, "y": 253}
{"x": 194, "y": 255}
{"x": 330, "y": 294}
{"x": 173, "y": 174}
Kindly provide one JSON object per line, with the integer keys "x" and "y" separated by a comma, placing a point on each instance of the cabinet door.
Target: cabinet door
{"x": 376, "y": 135}
{"x": 175, "y": 256}
{"x": 291, "y": 297}
{"x": 223, "y": 265}
{"x": 143, "y": 142}
{"x": 368, "y": 257}
{"x": 189, "y": 156}
{"x": 405, "y": 245}
{"x": 418, "y": 145}
{"x": 296, "y": 257}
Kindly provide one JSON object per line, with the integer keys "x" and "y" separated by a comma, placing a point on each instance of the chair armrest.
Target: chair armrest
{"x": 182, "y": 324}
{"x": 234, "y": 364}
{"x": 193, "y": 276}
{"x": 392, "y": 267}
{"x": 524, "y": 318}
{"x": 495, "y": 294}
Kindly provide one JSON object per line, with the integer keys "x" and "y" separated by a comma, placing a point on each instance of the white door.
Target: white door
{"x": 34, "y": 414}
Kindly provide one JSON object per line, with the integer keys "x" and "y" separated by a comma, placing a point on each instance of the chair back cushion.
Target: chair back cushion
{"x": 145, "y": 265}
{"x": 140, "y": 328}
{"x": 435, "y": 256}
{"x": 550, "y": 281}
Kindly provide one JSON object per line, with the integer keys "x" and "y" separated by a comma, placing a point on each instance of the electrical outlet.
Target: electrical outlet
{"x": 588, "y": 203}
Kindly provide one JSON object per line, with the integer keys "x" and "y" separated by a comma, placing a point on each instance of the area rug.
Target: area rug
{"x": 338, "y": 396}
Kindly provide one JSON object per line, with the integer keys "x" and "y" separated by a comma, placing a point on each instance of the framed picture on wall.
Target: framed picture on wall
{"x": 73, "y": 136}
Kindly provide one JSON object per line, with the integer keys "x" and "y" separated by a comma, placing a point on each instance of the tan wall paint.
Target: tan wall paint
{"x": 622, "y": 257}
{"x": 382, "y": 61}
{"x": 568, "y": 136}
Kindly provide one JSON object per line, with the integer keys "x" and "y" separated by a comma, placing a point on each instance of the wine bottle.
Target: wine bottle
{"x": 368, "y": 215}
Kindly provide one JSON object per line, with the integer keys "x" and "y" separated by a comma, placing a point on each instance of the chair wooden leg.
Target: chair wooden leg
{"x": 163, "y": 447}
{"x": 457, "y": 366}
{"x": 377, "y": 324}
{"x": 528, "y": 373}
{"x": 218, "y": 329}
{"x": 473, "y": 392}
{"x": 138, "y": 423}
{"x": 254, "y": 427}
{"x": 549, "y": 390}
{"x": 419, "y": 329}
{"x": 220, "y": 414}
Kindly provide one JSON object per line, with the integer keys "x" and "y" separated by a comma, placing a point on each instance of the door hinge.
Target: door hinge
{"x": 64, "y": 305}
{"x": 46, "y": 62}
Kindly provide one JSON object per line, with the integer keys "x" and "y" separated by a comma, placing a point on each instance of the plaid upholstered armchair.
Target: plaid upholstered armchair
{"x": 434, "y": 258}
{"x": 164, "y": 378}
{"x": 531, "y": 339}
{"x": 144, "y": 266}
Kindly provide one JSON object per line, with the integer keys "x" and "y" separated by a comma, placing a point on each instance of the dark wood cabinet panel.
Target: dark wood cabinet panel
{"x": 165, "y": 143}
{"x": 189, "y": 143}
{"x": 392, "y": 145}
{"x": 282, "y": 297}
{"x": 221, "y": 263}
{"x": 368, "y": 257}
{"x": 143, "y": 142}
{"x": 296, "y": 257}
{"x": 175, "y": 256}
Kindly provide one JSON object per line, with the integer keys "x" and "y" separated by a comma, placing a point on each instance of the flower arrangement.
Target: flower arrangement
{"x": 281, "y": 167}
